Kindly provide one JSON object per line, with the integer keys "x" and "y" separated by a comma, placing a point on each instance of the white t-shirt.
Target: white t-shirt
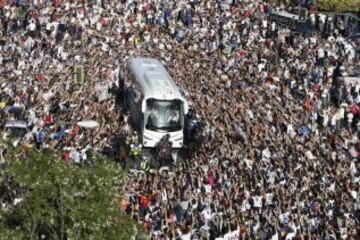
{"x": 164, "y": 197}
{"x": 291, "y": 131}
{"x": 333, "y": 120}
{"x": 245, "y": 206}
{"x": 257, "y": 201}
{"x": 232, "y": 235}
{"x": 207, "y": 214}
{"x": 264, "y": 23}
{"x": 273, "y": 26}
{"x": 76, "y": 157}
{"x": 269, "y": 198}
{"x": 186, "y": 236}
{"x": 343, "y": 232}
{"x": 341, "y": 113}
{"x": 207, "y": 188}
{"x": 184, "y": 205}
{"x": 321, "y": 53}
{"x": 83, "y": 154}
{"x": 32, "y": 26}
{"x": 275, "y": 236}
{"x": 325, "y": 120}
{"x": 266, "y": 153}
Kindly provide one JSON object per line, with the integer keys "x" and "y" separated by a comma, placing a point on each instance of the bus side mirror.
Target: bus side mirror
{"x": 186, "y": 108}
{"x": 143, "y": 106}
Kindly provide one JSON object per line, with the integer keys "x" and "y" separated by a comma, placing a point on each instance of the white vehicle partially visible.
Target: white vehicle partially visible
{"x": 156, "y": 104}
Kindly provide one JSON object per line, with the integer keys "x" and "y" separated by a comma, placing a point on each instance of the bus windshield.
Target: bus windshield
{"x": 164, "y": 115}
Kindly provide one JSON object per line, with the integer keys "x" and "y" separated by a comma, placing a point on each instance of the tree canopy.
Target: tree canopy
{"x": 44, "y": 197}
{"x": 328, "y": 5}
{"x": 339, "y": 5}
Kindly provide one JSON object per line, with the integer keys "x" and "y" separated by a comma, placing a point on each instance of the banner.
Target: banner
{"x": 79, "y": 73}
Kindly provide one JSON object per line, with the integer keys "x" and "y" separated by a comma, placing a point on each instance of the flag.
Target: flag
{"x": 79, "y": 73}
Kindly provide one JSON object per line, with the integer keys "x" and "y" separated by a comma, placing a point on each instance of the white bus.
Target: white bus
{"x": 156, "y": 105}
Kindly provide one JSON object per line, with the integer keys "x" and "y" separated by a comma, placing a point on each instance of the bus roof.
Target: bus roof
{"x": 285, "y": 14}
{"x": 154, "y": 79}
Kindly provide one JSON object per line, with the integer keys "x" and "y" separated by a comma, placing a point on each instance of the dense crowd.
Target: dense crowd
{"x": 279, "y": 158}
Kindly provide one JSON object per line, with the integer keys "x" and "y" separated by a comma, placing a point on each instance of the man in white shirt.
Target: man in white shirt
{"x": 321, "y": 56}
{"x": 75, "y": 155}
{"x": 257, "y": 202}
{"x": 32, "y": 26}
{"x": 83, "y": 155}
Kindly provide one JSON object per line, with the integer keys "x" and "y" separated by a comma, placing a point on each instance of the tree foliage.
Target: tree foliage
{"x": 57, "y": 200}
{"x": 327, "y": 5}
{"x": 339, "y": 5}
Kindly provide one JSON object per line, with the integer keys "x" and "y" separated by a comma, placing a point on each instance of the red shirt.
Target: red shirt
{"x": 242, "y": 53}
{"x": 354, "y": 109}
{"x": 40, "y": 77}
{"x": 316, "y": 87}
{"x": 74, "y": 131}
{"x": 48, "y": 120}
{"x": 103, "y": 21}
{"x": 247, "y": 13}
{"x": 211, "y": 180}
{"x": 66, "y": 156}
{"x": 144, "y": 201}
{"x": 57, "y": 3}
{"x": 147, "y": 7}
{"x": 308, "y": 104}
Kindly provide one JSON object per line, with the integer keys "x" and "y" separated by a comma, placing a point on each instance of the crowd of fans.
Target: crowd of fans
{"x": 279, "y": 158}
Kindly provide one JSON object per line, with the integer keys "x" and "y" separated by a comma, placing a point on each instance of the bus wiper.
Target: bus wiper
{"x": 174, "y": 127}
{"x": 153, "y": 128}
{"x": 165, "y": 128}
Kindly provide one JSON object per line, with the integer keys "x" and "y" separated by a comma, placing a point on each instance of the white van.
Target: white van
{"x": 155, "y": 102}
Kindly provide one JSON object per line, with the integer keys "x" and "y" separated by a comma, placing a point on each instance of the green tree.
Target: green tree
{"x": 339, "y": 5}
{"x": 328, "y": 5}
{"x": 62, "y": 201}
